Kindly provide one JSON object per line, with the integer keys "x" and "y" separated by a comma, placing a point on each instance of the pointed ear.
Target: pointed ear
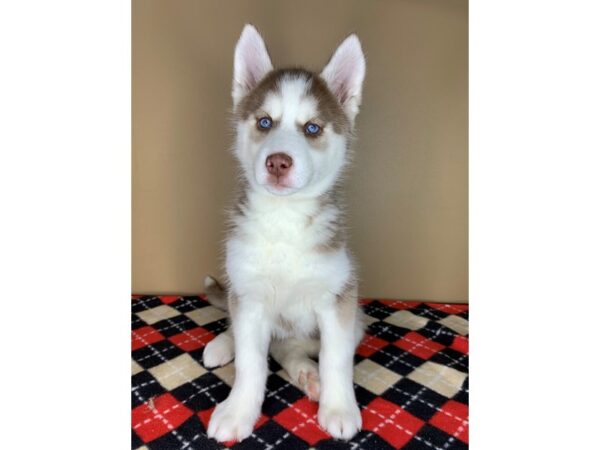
{"x": 250, "y": 64}
{"x": 344, "y": 74}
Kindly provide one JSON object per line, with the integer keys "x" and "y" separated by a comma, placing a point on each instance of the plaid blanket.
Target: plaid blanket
{"x": 410, "y": 380}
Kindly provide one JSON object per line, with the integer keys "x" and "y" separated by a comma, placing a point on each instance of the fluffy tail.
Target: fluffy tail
{"x": 217, "y": 296}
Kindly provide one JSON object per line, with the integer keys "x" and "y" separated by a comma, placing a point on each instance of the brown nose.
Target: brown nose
{"x": 279, "y": 164}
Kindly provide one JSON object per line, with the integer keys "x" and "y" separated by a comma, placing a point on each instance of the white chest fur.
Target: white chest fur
{"x": 272, "y": 258}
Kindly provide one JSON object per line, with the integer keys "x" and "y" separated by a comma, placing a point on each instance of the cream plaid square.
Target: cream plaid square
{"x": 442, "y": 379}
{"x": 157, "y": 314}
{"x": 177, "y": 371}
{"x": 135, "y": 367}
{"x": 374, "y": 377}
{"x": 369, "y": 320}
{"x": 456, "y": 323}
{"x": 206, "y": 315}
{"x": 226, "y": 373}
{"x": 406, "y": 319}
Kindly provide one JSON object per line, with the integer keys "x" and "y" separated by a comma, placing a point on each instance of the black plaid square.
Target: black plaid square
{"x": 144, "y": 387}
{"x": 136, "y": 442}
{"x": 188, "y": 303}
{"x": 438, "y": 333}
{"x": 415, "y": 398}
{"x": 274, "y": 365}
{"x": 452, "y": 358}
{"x": 155, "y": 354}
{"x": 397, "y": 360}
{"x": 387, "y": 331}
{"x": 174, "y": 325}
{"x": 202, "y": 393}
{"x": 430, "y": 437}
{"x": 363, "y": 396}
{"x": 136, "y": 322}
{"x": 197, "y": 354}
{"x": 271, "y": 435}
{"x": 428, "y": 312}
{"x": 190, "y": 435}
{"x": 462, "y": 395}
{"x": 365, "y": 440}
{"x": 145, "y": 302}
{"x": 378, "y": 310}
{"x": 280, "y": 394}
{"x": 217, "y": 327}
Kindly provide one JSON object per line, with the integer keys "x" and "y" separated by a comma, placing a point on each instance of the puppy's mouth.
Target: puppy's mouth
{"x": 278, "y": 182}
{"x": 279, "y": 186}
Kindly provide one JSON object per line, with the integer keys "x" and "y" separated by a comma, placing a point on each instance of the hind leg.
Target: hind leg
{"x": 294, "y": 356}
{"x": 219, "y": 351}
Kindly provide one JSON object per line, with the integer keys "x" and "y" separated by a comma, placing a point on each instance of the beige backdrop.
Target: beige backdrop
{"x": 408, "y": 190}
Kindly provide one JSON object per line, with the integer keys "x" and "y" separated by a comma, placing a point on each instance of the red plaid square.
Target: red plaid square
{"x": 390, "y": 422}
{"x": 453, "y": 419}
{"x": 369, "y": 345}
{"x": 460, "y": 344}
{"x": 450, "y": 308}
{"x": 167, "y": 299}
{"x": 144, "y": 336}
{"x": 192, "y": 339}
{"x": 301, "y": 419}
{"x": 419, "y": 345}
{"x": 205, "y": 416}
{"x": 163, "y": 414}
{"x": 400, "y": 304}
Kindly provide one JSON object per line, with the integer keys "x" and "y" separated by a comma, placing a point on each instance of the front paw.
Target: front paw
{"x": 218, "y": 352}
{"x": 341, "y": 421}
{"x": 231, "y": 421}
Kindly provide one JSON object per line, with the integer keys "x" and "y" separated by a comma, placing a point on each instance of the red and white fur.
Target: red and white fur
{"x": 291, "y": 289}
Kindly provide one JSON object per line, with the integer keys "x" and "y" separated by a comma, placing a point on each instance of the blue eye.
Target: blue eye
{"x": 265, "y": 123}
{"x": 312, "y": 129}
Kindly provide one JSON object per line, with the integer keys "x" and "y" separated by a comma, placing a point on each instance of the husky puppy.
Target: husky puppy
{"x": 291, "y": 288}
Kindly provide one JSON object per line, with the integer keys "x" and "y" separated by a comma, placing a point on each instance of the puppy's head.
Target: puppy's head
{"x": 293, "y": 126}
